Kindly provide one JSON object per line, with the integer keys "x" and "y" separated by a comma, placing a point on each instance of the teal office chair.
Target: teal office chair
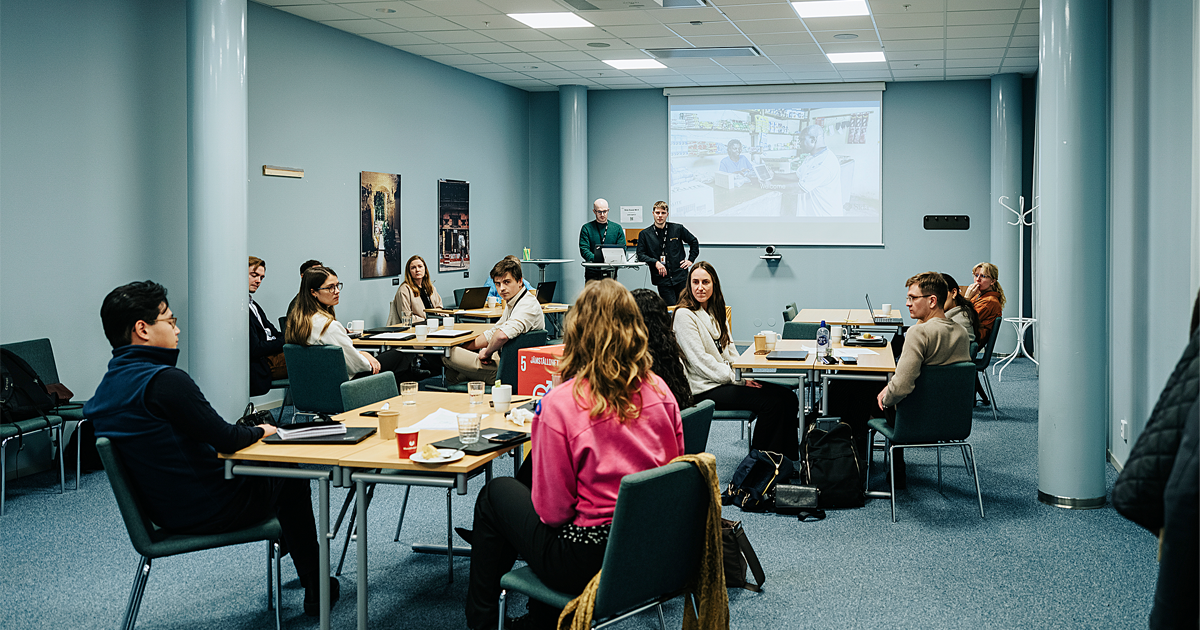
{"x": 319, "y": 372}
{"x": 653, "y": 554}
{"x": 937, "y": 414}
{"x": 506, "y": 369}
{"x": 982, "y": 363}
{"x": 40, "y": 355}
{"x": 458, "y": 293}
{"x": 697, "y": 420}
{"x": 790, "y": 312}
{"x": 800, "y": 330}
{"x": 152, "y": 542}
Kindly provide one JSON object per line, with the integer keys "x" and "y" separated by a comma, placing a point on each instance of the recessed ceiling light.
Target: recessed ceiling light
{"x": 858, "y": 57}
{"x": 385, "y": 10}
{"x": 633, "y": 64}
{"x": 845, "y": 36}
{"x": 831, "y": 8}
{"x": 550, "y": 20}
{"x": 598, "y": 45}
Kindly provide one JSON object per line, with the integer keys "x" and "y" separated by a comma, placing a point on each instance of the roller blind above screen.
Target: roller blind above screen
{"x": 778, "y": 165}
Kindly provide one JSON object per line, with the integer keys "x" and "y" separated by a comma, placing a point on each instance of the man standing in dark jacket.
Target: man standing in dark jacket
{"x": 169, "y": 436}
{"x": 266, "y": 342}
{"x": 593, "y": 234}
{"x": 660, "y": 246}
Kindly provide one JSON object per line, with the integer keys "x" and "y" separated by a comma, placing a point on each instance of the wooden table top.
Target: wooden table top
{"x": 841, "y": 316}
{"x": 881, "y": 361}
{"x": 430, "y": 342}
{"x": 495, "y": 312}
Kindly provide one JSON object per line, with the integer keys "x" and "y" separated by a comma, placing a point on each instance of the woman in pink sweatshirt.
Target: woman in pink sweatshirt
{"x": 611, "y": 417}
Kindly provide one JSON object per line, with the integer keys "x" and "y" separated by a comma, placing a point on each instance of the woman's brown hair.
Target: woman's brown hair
{"x": 606, "y": 346}
{"x": 715, "y": 305}
{"x": 299, "y": 319}
{"x": 426, "y": 283}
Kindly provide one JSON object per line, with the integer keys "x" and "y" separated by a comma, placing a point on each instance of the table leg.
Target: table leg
{"x": 323, "y": 538}
{"x": 542, "y": 267}
{"x": 360, "y": 496}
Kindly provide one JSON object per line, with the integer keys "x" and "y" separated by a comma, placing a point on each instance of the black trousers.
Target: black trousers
{"x": 778, "y": 412}
{"x": 506, "y": 524}
{"x": 670, "y": 293}
{"x": 289, "y": 500}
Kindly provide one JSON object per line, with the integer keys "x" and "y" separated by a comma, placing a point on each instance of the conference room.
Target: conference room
{"x": 114, "y": 169}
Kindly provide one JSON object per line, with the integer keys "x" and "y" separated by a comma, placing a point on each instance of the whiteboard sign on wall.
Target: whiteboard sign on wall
{"x": 631, "y": 214}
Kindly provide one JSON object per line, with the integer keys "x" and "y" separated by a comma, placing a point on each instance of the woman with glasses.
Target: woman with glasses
{"x": 703, "y": 335}
{"x": 312, "y": 322}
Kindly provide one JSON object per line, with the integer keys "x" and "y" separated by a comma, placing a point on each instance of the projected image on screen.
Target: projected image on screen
{"x": 781, "y": 168}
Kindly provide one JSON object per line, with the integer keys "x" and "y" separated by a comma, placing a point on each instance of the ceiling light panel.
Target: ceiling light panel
{"x": 830, "y": 8}
{"x": 857, "y": 57}
{"x": 634, "y": 64}
{"x": 550, "y": 20}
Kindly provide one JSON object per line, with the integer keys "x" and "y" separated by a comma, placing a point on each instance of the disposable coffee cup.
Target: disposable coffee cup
{"x": 760, "y": 343}
{"x": 448, "y": 323}
{"x": 388, "y": 419}
{"x": 887, "y": 310}
{"x": 406, "y": 441}
{"x": 501, "y": 397}
{"x": 422, "y": 332}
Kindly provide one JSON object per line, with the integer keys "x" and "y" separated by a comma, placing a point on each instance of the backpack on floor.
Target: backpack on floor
{"x": 828, "y": 462}
{"x": 23, "y": 395}
{"x": 752, "y": 486}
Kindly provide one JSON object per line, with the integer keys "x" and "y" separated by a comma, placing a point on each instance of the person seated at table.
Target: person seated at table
{"x": 477, "y": 360}
{"x": 313, "y": 323}
{"x": 960, "y": 310}
{"x": 266, "y": 342}
{"x": 987, "y": 296}
{"x": 664, "y": 349}
{"x": 304, "y": 266}
{"x": 416, "y": 294}
{"x": 493, "y": 292}
{"x": 168, "y": 437}
{"x": 611, "y": 417}
{"x": 703, "y": 333}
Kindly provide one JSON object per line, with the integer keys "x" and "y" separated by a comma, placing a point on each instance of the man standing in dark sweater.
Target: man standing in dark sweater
{"x": 169, "y": 436}
{"x": 660, "y": 246}
{"x": 593, "y": 234}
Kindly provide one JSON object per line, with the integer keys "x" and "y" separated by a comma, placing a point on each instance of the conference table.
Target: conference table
{"x": 431, "y": 345}
{"x": 344, "y": 464}
{"x": 843, "y": 316}
{"x": 493, "y": 313}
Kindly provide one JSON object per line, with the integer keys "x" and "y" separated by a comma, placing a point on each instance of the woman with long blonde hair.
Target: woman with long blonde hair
{"x": 611, "y": 417}
{"x": 987, "y": 296}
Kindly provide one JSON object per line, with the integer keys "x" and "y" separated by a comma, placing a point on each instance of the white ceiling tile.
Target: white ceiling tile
{"x": 866, "y": 75}
{"x": 814, "y": 76}
{"x": 617, "y": 18}
{"x": 912, "y": 64}
{"x": 996, "y": 30}
{"x": 1025, "y": 30}
{"x": 1030, "y": 16}
{"x": 975, "y": 53}
{"x": 1021, "y": 52}
{"x": 513, "y": 57}
{"x": 793, "y": 25}
{"x": 485, "y": 47}
{"x": 370, "y": 9}
{"x": 976, "y": 5}
{"x": 793, "y": 60}
{"x": 502, "y": 76}
{"x": 592, "y": 75}
{"x": 856, "y": 23}
{"x": 914, "y": 55}
{"x": 730, "y": 3}
{"x": 613, "y": 44}
{"x": 454, "y": 7}
{"x": 965, "y": 18}
{"x": 568, "y": 55}
{"x": 429, "y": 49}
{"x": 424, "y": 24}
{"x": 361, "y": 27}
{"x": 282, "y": 3}
{"x": 830, "y": 37}
{"x": 321, "y": 12}
{"x": 853, "y": 45}
{"x": 760, "y": 12}
{"x": 398, "y": 39}
{"x": 551, "y": 74}
{"x": 657, "y": 42}
{"x": 914, "y": 44}
{"x": 978, "y": 42}
{"x": 591, "y": 34}
{"x": 476, "y": 68}
{"x": 916, "y": 32}
{"x": 686, "y": 14}
{"x": 917, "y": 74}
{"x": 968, "y": 73}
{"x": 908, "y": 6}
{"x": 990, "y": 63}
{"x": 793, "y": 68}
{"x": 455, "y": 60}
{"x": 547, "y": 46}
{"x": 905, "y": 20}
{"x": 693, "y": 64}
{"x": 864, "y": 67}
{"x": 488, "y": 22}
{"x": 790, "y": 49}
{"x": 1024, "y": 41}
{"x": 456, "y": 37}
{"x": 579, "y": 66}
{"x": 685, "y": 29}
{"x": 642, "y": 30}
{"x": 767, "y": 39}
{"x": 730, "y": 62}
{"x": 517, "y": 35}
{"x": 620, "y": 81}
{"x": 524, "y": 6}
{"x": 707, "y": 41}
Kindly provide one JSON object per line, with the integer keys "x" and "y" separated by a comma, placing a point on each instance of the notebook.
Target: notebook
{"x": 443, "y": 333}
{"x": 545, "y": 291}
{"x": 482, "y": 446}
{"x": 882, "y": 321}
{"x": 353, "y": 435}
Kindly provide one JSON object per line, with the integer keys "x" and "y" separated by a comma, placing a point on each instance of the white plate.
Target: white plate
{"x": 448, "y": 455}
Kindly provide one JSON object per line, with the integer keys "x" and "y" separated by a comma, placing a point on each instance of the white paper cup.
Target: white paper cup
{"x": 887, "y": 310}
{"x": 448, "y": 323}
{"x": 422, "y": 332}
{"x": 501, "y": 397}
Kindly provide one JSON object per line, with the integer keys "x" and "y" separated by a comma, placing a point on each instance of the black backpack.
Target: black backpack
{"x": 23, "y": 395}
{"x": 829, "y": 463}
{"x": 752, "y": 486}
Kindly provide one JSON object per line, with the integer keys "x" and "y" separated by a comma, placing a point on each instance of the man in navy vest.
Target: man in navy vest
{"x": 169, "y": 436}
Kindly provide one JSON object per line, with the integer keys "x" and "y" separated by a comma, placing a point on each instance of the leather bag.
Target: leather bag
{"x": 738, "y": 555}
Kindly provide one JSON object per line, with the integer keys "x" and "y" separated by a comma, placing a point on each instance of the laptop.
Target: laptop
{"x": 474, "y": 297}
{"x": 787, "y": 355}
{"x": 612, "y": 254}
{"x": 881, "y": 321}
{"x": 353, "y": 435}
{"x": 545, "y": 291}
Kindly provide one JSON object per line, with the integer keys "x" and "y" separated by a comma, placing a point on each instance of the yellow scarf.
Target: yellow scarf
{"x": 710, "y": 583}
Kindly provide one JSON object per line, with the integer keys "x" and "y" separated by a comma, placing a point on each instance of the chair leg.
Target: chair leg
{"x": 3, "y": 474}
{"x": 78, "y": 450}
{"x": 870, "y": 456}
{"x": 662, "y": 621}
{"x": 135, "y": 594}
{"x": 450, "y": 536}
{"x": 964, "y": 454}
{"x": 987, "y": 382}
{"x": 975, "y": 474}
{"x": 62, "y": 473}
{"x": 939, "y": 461}
{"x": 350, "y": 533}
{"x": 503, "y": 602}
{"x": 337, "y": 525}
{"x": 278, "y": 586}
{"x": 403, "y": 507}
{"x": 287, "y": 392}
{"x": 270, "y": 581}
{"x": 892, "y": 477}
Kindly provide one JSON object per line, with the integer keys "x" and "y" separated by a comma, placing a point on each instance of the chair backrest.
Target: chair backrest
{"x": 142, "y": 532}
{"x": 697, "y": 420}
{"x": 790, "y": 312}
{"x": 800, "y": 330}
{"x": 316, "y": 374}
{"x": 458, "y": 293}
{"x": 506, "y": 370}
{"x": 361, "y": 392}
{"x": 39, "y": 355}
{"x": 283, "y": 324}
{"x": 982, "y": 362}
{"x": 653, "y": 552}
{"x": 939, "y": 407}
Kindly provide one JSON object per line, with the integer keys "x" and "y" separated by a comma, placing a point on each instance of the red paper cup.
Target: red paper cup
{"x": 406, "y": 441}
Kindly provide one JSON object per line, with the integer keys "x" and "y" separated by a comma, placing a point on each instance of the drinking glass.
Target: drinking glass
{"x": 475, "y": 389}
{"x": 468, "y": 428}
{"x": 408, "y": 392}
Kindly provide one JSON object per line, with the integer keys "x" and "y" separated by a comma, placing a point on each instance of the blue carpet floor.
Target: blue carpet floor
{"x": 66, "y": 562}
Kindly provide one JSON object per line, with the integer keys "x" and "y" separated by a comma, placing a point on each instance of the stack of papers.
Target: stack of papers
{"x": 311, "y": 429}
{"x": 394, "y": 336}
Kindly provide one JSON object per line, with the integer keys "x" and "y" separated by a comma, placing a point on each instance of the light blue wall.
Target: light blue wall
{"x": 936, "y": 159}
{"x": 335, "y": 104}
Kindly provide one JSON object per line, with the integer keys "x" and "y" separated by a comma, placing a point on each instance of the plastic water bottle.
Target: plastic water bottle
{"x": 824, "y": 348}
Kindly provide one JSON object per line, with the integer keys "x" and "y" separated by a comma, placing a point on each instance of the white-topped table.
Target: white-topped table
{"x": 542, "y": 262}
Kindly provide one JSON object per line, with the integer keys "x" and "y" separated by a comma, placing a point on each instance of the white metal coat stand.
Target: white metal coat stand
{"x": 1024, "y": 219}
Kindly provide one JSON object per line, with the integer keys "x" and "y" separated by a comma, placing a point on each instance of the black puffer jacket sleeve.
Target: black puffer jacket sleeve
{"x": 1138, "y": 493}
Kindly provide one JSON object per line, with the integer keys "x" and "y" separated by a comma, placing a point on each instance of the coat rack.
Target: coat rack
{"x": 1021, "y": 323}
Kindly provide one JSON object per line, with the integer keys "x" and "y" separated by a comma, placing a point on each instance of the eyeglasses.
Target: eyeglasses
{"x": 332, "y": 288}
{"x": 908, "y": 299}
{"x": 982, "y": 275}
{"x": 600, "y": 211}
{"x": 169, "y": 320}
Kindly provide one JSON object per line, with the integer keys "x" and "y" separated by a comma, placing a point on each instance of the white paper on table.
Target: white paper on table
{"x": 394, "y": 336}
{"x": 440, "y": 420}
{"x": 852, "y": 352}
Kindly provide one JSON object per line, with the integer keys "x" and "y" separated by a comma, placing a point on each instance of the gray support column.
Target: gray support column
{"x": 1072, "y": 268}
{"x": 572, "y": 134}
{"x": 1006, "y": 180}
{"x": 216, "y": 328}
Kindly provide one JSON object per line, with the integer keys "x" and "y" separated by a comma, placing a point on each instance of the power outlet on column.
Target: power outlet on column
{"x": 1124, "y": 430}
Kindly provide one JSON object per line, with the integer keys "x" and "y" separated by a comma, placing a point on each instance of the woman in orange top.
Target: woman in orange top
{"x": 987, "y": 296}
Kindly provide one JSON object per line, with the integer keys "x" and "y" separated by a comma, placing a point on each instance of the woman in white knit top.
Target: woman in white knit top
{"x": 707, "y": 354}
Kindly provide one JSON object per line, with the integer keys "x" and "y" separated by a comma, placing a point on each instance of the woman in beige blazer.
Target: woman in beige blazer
{"x": 416, "y": 293}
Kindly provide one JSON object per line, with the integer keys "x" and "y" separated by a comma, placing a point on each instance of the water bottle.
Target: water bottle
{"x": 824, "y": 348}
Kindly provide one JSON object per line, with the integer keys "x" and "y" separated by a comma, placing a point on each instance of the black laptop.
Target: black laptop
{"x": 545, "y": 291}
{"x": 474, "y": 297}
{"x": 881, "y": 321}
{"x": 787, "y": 355}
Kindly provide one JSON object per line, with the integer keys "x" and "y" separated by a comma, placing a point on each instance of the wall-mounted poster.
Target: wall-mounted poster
{"x": 454, "y": 233}
{"x": 379, "y": 224}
